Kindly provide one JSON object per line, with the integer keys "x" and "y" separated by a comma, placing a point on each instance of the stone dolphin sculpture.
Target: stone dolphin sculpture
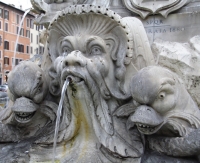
{"x": 165, "y": 108}
{"x": 28, "y": 110}
{"x": 164, "y": 103}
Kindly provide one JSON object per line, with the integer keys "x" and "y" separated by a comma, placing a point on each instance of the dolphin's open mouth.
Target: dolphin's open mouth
{"x": 24, "y": 109}
{"x": 24, "y": 117}
{"x": 147, "y": 129}
{"x": 147, "y": 120}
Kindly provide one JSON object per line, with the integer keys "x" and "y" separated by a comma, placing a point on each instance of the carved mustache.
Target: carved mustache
{"x": 74, "y": 76}
{"x": 78, "y": 75}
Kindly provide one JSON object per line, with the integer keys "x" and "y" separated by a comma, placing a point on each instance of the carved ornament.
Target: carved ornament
{"x": 152, "y": 7}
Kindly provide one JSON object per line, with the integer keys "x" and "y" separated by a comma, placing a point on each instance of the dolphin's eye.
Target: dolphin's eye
{"x": 96, "y": 50}
{"x": 161, "y": 95}
{"x": 39, "y": 89}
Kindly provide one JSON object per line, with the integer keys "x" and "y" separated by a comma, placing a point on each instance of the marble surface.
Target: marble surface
{"x": 134, "y": 85}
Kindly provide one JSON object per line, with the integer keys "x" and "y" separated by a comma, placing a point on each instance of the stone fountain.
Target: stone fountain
{"x": 124, "y": 103}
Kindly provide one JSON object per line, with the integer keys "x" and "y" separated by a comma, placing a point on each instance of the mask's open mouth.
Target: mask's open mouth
{"x": 74, "y": 79}
{"x": 24, "y": 117}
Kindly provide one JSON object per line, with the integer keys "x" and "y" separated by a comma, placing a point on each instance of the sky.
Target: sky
{"x": 25, "y": 3}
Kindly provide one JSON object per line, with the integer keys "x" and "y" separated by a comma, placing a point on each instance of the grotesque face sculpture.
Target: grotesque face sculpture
{"x": 98, "y": 48}
{"x": 85, "y": 56}
{"x": 92, "y": 50}
{"x": 163, "y": 102}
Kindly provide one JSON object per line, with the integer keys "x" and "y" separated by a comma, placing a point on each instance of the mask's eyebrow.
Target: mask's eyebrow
{"x": 66, "y": 42}
{"x": 95, "y": 40}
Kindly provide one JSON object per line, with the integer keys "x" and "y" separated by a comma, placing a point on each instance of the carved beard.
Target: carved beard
{"x": 101, "y": 119}
{"x": 89, "y": 93}
{"x": 93, "y": 80}
{"x": 98, "y": 114}
{"x": 90, "y": 89}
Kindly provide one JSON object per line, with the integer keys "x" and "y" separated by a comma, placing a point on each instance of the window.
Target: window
{"x": 28, "y": 22}
{"x": 31, "y": 23}
{"x": 20, "y": 48}
{"x": 28, "y": 33}
{"x": 6, "y": 45}
{"x": 31, "y": 50}
{"x": 6, "y": 61}
{"x": 21, "y": 20}
{"x": 41, "y": 26}
{"x": 0, "y": 79}
{"x": 0, "y": 24}
{"x": 16, "y": 61}
{"x": 37, "y": 27}
{"x": 1, "y": 12}
{"x": 6, "y": 14}
{"x": 22, "y": 32}
{"x": 17, "y": 19}
{"x": 27, "y": 49}
{"x": 17, "y": 30}
{"x": 36, "y": 50}
{"x": 0, "y": 54}
{"x": 0, "y": 40}
{"x": 6, "y": 27}
{"x": 31, "y": 37}
{"x": 41, "y": 50}
{"x": 37, "y": 39}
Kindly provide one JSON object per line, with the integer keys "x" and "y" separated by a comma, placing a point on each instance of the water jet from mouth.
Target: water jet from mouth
{"x": 59, "y": 111}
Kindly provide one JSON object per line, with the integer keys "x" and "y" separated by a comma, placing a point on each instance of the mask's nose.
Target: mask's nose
{"x": 74, "y": 58}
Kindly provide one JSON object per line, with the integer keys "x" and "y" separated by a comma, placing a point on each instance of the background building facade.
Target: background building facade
{"x": 10, "y": 18}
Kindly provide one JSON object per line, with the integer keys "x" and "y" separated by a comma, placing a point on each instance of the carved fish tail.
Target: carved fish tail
{"x": 179, "y": 146}
{"x": 8, "y": 133}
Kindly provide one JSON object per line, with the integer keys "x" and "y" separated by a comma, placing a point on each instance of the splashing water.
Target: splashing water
{"x": 58, "y": 117}
{"x": 18, "y": 33}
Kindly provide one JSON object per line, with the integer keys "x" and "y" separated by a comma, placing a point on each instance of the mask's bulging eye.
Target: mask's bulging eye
{"x": 65, "y": 51}
{"x": 96, "y": 50}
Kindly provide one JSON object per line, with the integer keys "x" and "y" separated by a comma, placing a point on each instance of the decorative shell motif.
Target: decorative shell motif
{"x": 151, "y": 7}
{"x": 101, "y": 11}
